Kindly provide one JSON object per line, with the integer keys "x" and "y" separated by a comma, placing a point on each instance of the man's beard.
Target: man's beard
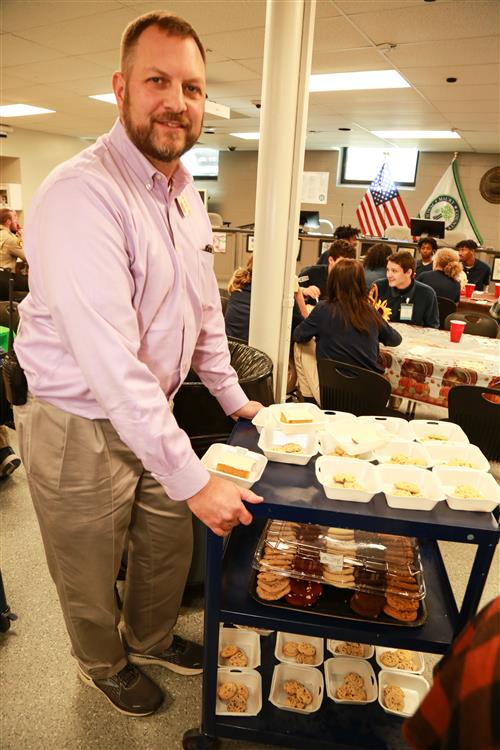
{"x": 143, "y": 136}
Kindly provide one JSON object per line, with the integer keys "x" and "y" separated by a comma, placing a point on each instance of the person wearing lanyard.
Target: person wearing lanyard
{"x": 123, "y": 302}
{"x": 410, "y": 301}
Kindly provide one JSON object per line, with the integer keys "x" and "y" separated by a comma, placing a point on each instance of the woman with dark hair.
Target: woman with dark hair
{"x": 375, "y": 262}
{"x": 346, "y": 327}
{"x": 446, "y": 276}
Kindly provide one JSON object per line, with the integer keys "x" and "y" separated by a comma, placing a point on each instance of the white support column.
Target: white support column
{"x": 285, "y": 94}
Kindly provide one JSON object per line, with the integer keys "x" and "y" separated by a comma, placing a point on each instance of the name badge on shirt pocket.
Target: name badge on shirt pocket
{"x": 406, "y": 312}
{"x": 184, "y": 206}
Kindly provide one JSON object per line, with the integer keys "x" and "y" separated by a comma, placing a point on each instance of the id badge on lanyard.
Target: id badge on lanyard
{"x": 406, "y": 311}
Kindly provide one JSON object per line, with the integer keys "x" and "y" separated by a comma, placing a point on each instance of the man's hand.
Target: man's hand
{"x": 218, "y": 504}
{"x": 248, "y": 411}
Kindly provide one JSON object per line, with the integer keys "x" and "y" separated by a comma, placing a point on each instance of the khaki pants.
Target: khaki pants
{"x": 307, "y": 369}
{"x": 89, "y": 490}
{"x": 4, "y": 437}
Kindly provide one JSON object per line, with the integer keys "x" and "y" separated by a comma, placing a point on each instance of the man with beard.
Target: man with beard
{"x": 123, "y": 301}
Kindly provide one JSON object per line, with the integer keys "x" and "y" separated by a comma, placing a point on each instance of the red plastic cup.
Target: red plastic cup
{"x": 497, "y": 290}
{"x": 456, "y": 329}
{"x": 469, "y": 288}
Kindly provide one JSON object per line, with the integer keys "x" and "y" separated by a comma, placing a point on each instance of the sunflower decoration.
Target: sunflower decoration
{"x": 378, "y": 304}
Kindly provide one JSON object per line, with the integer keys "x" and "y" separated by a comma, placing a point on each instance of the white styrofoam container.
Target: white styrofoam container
{"x": 441, "y": 454}
{"x": 315, "y": 413}
{"x": 414, "y": 688}
{"x": 246, "y": 640}
{"x": 343, "y": 430}
{"x": 261, "y": 419}
{"x": 421, "y": 428}
{"x": 365, "y": 473}
{"x": 253, "y": 681}
{"x": 310, "y": 677}
{"x": 328, "y": 442}
{"x": 418, "y": 660}
{"x": 432, "y": 491}
{"x": 216, "y": 450}
{"x": 412, "y": 450}
{"x": 332, "y": 416}
{"x": 397, "y": 427}
{"x": 332, "y": 646}
{"x": 307, "y": 441}
{"x": 283, "y": 638}
{"x": 337, "y": 667}
{"x": 450, "y": 477}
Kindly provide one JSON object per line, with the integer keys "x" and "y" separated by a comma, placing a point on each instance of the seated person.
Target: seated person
{"x": 347, "y": 233}
{"x": 11, "y": 247}
{"x": 477, "y": 272}
{"x": 346, "y": 328}
{"x": 427, "y": 246}
{"x": 409, "y": 300}
{"x": 445, "y": 278}
{"x": 318, "y": 274}
{"x": 375, "y": 262}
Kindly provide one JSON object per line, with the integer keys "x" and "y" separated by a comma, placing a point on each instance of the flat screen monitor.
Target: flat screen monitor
{"x": 427, "y": 227}
{"x": 309, "y": 219}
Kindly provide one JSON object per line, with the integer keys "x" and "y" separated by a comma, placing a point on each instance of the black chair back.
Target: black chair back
{"x": 4, "y": 315}
{"x": 475, "y": 323}
{"x": 446, "y": 307}
{"x": 478, "y": 417}
{"x": 346, "y": 387}
{"x": 5, "y": 275}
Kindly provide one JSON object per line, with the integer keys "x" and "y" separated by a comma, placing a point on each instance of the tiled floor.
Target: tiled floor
{"x": 43, "y": 706}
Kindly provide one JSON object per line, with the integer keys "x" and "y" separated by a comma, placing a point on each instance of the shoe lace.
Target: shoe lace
{"x": 127, "y": 675}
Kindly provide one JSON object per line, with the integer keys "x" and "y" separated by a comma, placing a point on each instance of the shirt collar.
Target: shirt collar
{"x": 147, "y": 172}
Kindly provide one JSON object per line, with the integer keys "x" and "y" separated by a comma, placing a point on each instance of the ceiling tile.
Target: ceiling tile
{"x": 19, "y": 16}
{"x": 337, "y": 34}
{"x": 348, "y": 60}
{"x": 466, "y": 74}
{"x": 62, "y": 69}
{"x": 440, "y": 94}
{"x": 16, "y": 51}
{"x": 239, "y": 44}
{"x": 228, "y": 72}
{"x": 353, "y": 7}
{"x": 213, "y": 16}
{"x": 448, "y": 52}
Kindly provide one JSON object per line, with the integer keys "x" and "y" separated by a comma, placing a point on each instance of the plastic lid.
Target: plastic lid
{"x": 363, "y": 561}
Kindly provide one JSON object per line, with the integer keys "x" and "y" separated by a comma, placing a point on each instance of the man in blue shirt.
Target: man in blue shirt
{"x": 427, "y": 246}
{"x": 477, "y": 272}
{"x": 410, "y": 301}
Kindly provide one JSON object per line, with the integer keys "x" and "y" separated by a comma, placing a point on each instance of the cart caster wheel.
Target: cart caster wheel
{"x": 194, "y": 740}
{"x": 6, "y": 617}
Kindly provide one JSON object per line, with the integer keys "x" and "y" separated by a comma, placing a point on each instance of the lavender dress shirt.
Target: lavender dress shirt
{"x": 123, "y": 301}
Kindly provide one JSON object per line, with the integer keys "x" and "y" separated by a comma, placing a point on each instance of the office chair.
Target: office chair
{"x": 346, "y": 387}
{"x": 477, "y": 324}
{"x": 478, "y": 417}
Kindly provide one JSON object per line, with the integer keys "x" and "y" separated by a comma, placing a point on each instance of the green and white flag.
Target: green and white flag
{"x": 447, "y": 203}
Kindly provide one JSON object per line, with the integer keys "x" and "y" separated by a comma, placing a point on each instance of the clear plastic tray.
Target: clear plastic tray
{"x": 248, "y": 677}
{"x": 407, "y": 453}
{"x": 414, "y": 688}
{"x": 282, "y": 639}
{"x": 365, "y": 474}
{"x": 361, "y": 561}
{"x": 435, "y": 431}
{"x": 431, "y": 491}
{"x": 216, "y": 450}
{"x": 270, "y": 438}
{"x": 450, "y": 478}
{"x": 310, "y": 677}
{"x": 337, "y": 668}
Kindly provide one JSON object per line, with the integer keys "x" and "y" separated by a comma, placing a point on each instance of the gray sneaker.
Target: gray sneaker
{"x": 129, "y": 691}
{"x": 183, "y": 657}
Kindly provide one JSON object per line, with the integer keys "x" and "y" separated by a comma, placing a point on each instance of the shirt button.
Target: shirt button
{"x": 149, "y": 186}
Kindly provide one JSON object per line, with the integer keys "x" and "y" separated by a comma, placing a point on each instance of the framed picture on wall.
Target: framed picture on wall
{"x": 250, "y": 243}
{"x": 325, "y": 245}
{"x": 220, "y": 242}
{"x": 495, "y": 275}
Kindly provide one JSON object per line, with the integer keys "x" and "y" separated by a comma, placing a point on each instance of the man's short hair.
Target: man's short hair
{"x": 344, "y": 232}
{"x": 341, "y": 249}
{"x": 469, "y": 244}
{"x": 428, "y": 241}
{"x": 167, "y": 22}
{"x": 5, "y": 215}
{"x": 404, "y": 259}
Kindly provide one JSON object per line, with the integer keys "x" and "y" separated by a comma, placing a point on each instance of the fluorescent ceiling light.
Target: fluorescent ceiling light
{"x": 108, "y": 98}
{"x": 403, "y": 134}
{"x": 247, "y": 136}
{"x": 364, "y": 79}
{"x": 22, "y": 110}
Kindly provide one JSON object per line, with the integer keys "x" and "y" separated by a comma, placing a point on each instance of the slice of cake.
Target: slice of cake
{"x": 235, "y": 464}
{"x": 297, "y": 416}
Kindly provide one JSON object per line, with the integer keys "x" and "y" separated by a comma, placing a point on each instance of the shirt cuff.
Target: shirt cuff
{"x": 186, "y": 482}
{"x": 232, "y": 398}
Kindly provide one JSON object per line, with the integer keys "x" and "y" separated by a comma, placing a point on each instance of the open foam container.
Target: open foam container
{"x": 414, "y": 688}
{"x": 217, "y": 450}
{"x": 310, "y": 677}
{"x": 365, "y": 474}
{"x": 450, "y": 478}
{"x": 248, "y": 677}
{"x": 337, "y": 668}
{"x": 283, "y": 638}
{"x": 246, "y": 640}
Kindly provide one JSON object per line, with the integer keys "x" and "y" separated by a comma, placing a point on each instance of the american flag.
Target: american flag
{"x": 381, "y": 206}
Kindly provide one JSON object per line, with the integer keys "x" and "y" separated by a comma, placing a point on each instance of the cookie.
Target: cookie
{"x": 349, "y": 648}
{"x": 228, "y": 651}
{"x": 354, "y": 679}
{"x": 237, "y": 705}
{"x": 304, "y": 695}
{"x": 303, "y": 659}
{"x": 291, "y": 649}
{"x": 393, "y": 698}
{"x": 266, "y": 596}
{"x": 410, "y": 487}
{"x": 242, "y": 692}
{"x": 239, "y": 659}
{"x": 307, "y": 649}
{"x": 401, "y": 602}
{"x": 400, "y": 614}
{"x": 293, "y": 702}
{"x": 290, "y": 687}
{"x": 227, "y": 690}
{"x": 389, "y": 658}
